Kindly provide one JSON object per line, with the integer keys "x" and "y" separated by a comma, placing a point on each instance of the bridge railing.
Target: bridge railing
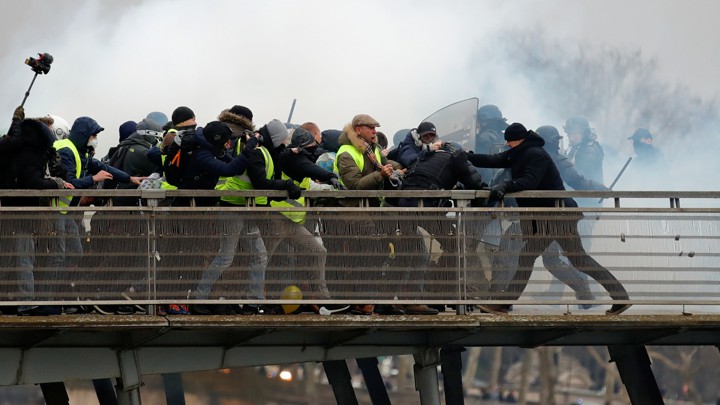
{"x": 662, "y": 252}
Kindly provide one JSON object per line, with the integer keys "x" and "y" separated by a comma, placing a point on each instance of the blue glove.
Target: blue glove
{"x": 336, "y": 183}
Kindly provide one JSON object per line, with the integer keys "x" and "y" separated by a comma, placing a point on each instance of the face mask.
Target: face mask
{"x": 92, "y": 143}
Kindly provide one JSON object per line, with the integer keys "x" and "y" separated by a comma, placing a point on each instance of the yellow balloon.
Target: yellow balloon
{"x": 291, "y": 293}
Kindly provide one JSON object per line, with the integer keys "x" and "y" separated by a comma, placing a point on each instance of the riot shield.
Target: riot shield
{"x": 457, "y": 123}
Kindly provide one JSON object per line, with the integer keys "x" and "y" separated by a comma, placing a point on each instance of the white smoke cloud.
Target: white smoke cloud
{"x": 398, "y": 61}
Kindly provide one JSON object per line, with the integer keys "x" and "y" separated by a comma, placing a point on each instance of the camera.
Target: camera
{"x": 41, "y": 65}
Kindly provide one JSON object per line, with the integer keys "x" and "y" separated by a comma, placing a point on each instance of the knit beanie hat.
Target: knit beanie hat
{"x": 126, "y": 129}
{"x": 182, "y": 114}
{"x": 515, "y": 132}
{"x": 278, "y": 132}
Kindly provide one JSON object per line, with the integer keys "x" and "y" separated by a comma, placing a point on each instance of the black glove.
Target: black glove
{"x": 19, "y": 114}
{"x": 250, "y": 146}
{"x": 293, "y": 190}
{"x": 497, "y": 192}
{"x": 336, "y": 183}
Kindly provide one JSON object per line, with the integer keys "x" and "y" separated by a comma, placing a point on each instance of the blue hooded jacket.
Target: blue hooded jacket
{"x": 83, "y": 128}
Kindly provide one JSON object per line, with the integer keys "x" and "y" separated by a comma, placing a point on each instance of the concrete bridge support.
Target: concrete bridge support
{"x": 633, "y": 363}
{"x": 426, "y": 375}
{"x": 130, "y": 381}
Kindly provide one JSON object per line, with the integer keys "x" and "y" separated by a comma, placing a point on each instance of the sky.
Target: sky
{"x": 399, "y": 61}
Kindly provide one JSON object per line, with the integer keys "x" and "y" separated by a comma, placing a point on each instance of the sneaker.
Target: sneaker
{"x": 618, "y": 309}
{"x": 494, "y": 309}
{"x": 362, "y": 309}
{"x": 178, "y": 309}
{"x": 420, "y": 309}
{"x": 218, "y": 309}
{"x": 384, "y": 309}
{"x": 250, "y": 309}
{"x": 125, "y": 309}
{"x": 254, "y": 309}
{"x": 139, "y": 309}
{"x": 33, "y": 311}
{"x": 104, "y": 309}
{"x": 272, "y": 310}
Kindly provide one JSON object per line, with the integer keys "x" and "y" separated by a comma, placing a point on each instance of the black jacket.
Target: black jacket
{"x": 532, "y": 169}
{"x": 206, "y": 165}
{"x": 442, "y": 170}
{"x": 30, "y": 162}
{"x": 256, "y": 170}
{"x": 300, "y": 165}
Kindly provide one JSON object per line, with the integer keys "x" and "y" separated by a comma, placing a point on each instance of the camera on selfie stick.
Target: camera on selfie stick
{"x": 40, "y": 66}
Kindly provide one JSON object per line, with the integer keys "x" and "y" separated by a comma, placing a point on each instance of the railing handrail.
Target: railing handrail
{"x": 459, "y": 194}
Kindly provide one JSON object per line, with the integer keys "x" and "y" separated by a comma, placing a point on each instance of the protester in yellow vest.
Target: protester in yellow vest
{"x": 83, "y": 172}
{"x": 361, "y": 166}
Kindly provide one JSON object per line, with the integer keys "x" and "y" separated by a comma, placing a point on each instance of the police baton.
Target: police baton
{"x": 292, "y": 109}
{"x": 617, "y": 177}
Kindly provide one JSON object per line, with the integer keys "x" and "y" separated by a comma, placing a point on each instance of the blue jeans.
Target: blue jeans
{"x": 24, "y": 262}
{"x": 232, "y": 228}
{"x": 66, "y": 250}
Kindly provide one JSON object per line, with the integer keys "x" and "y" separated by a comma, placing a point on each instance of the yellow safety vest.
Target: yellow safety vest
{"x": 357, "y": 156}
{"x": 295, "y": 216}
{"x": 64, "y": 201}
{"x": 242, "y": 182}
{"x": 164, "y": 184}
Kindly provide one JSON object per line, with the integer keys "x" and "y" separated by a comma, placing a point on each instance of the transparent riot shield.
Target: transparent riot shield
{"x": 457, "y": 123}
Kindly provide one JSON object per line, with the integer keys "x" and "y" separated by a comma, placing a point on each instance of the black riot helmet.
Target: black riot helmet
{"x": 551, "y": 136}
{"x": 489, "y": 112}
{"x": 577, "y": 124}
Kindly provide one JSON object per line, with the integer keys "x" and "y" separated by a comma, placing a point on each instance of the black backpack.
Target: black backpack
{"x": 177, "y": 156}
{"x": 116, "y": 160}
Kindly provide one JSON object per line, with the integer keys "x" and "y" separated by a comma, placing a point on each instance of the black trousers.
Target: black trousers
{"x": 538, "y": 235}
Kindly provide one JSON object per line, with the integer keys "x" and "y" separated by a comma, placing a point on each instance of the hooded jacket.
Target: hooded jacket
{"x": 531, "y": 169}
{"x": 238, "y": 123}
{"x": 83, "y": 128}
{"x": 272, "y": 140}
{"x": 29, "y": 163}
{"x": 409, "y": 149}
